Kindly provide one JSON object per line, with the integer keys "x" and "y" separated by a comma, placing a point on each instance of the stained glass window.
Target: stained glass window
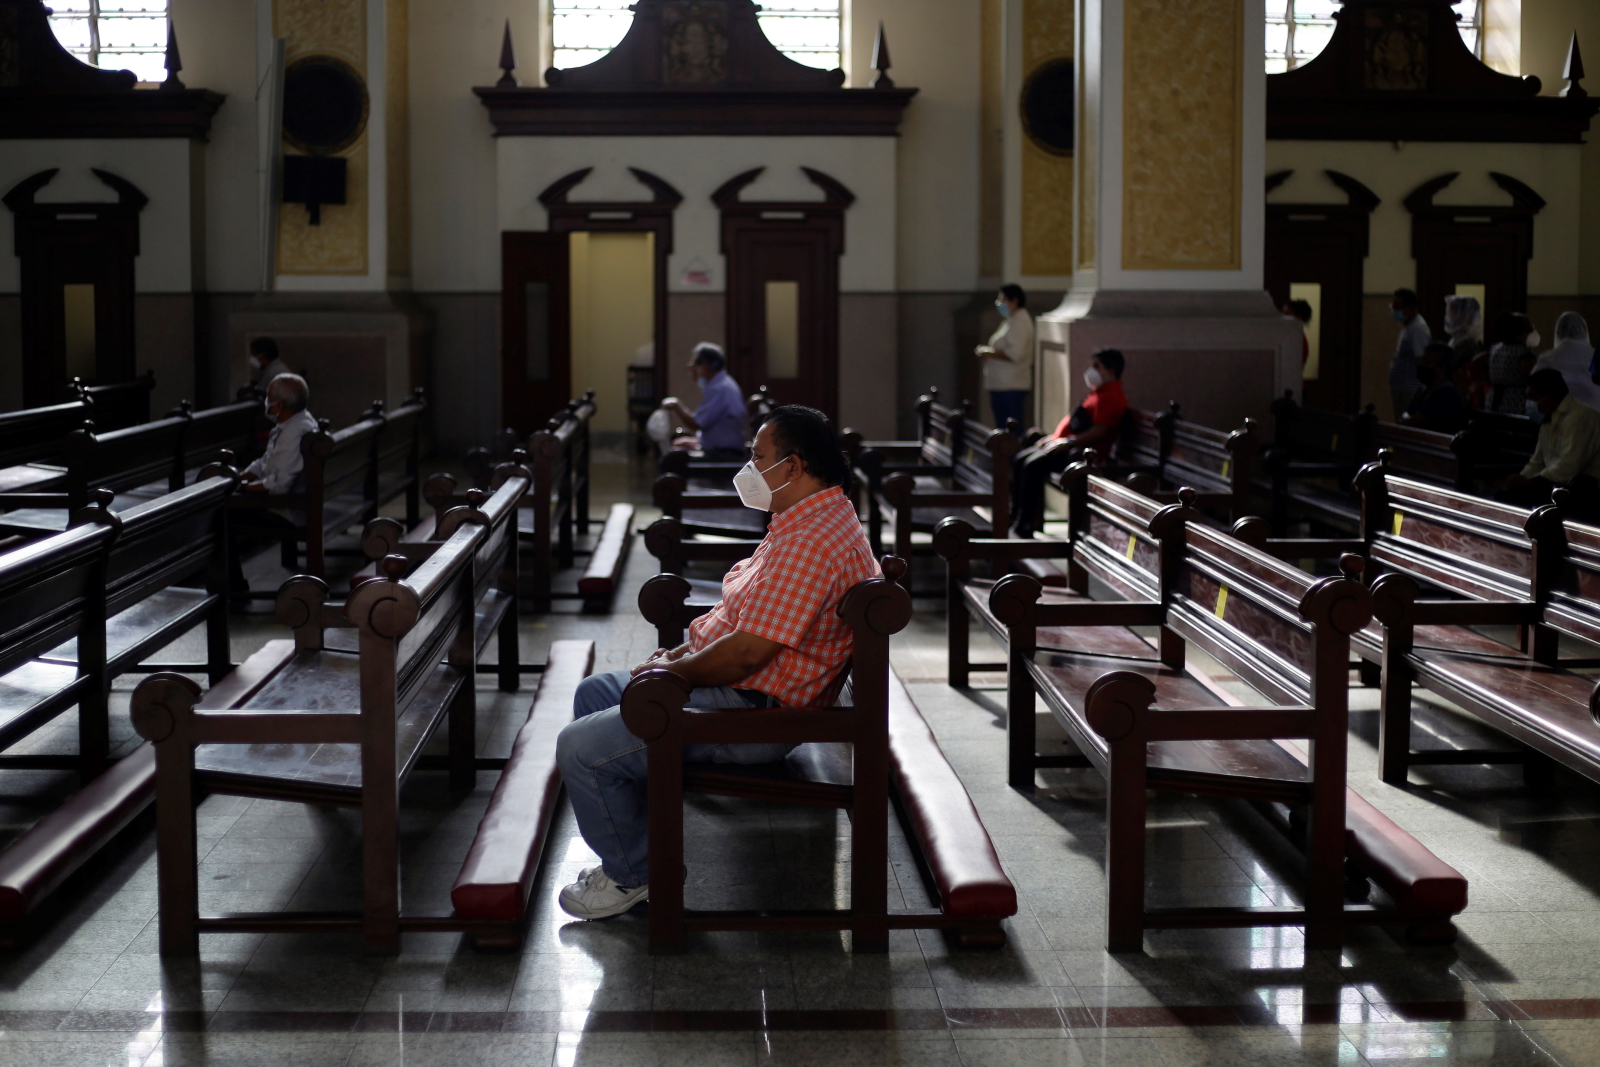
{"x": 1298, "y": 29}
{"x": 115, "y": 34}
{"x": 581, "y": 31}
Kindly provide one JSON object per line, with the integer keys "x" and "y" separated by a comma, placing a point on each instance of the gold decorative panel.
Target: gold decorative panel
{"x": 1046, "y": 211}
{"x": 1088, "y": 189}
{"x": 1047, "y": 27}
{"x": 397, "y": 34}
{"x": 1182, "y": 119}
{"x": 339, "y": 245}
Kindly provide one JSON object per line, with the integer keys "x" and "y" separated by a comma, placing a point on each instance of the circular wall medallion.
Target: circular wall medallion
{"x": 324, "y": 104}
{"x": 1050, "y": 107}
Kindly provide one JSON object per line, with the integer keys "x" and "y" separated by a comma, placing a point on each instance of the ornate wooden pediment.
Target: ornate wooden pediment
{"x": 1398, "y": 70}
{"x": 45, "y": 91}
{"x": 694, "y": 67}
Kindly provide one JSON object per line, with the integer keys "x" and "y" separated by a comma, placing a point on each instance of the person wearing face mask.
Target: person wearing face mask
{"x": 1508, "y": 362}
{"x": 1568, "y": 452}
{"x": 1414, "y": 337}
{"x": 773, "y": 640}
{"x": 1092, "y": 422}
{"x": 1008, "y": 358}
{"x": 1573, "y": 356}
{"x": 281, "y": 469}
{"x": 265, "y": 363}
{"x": 1437, "y": 404}
{"x": 1463, "y": 324}
{"x": 719, "y": 419}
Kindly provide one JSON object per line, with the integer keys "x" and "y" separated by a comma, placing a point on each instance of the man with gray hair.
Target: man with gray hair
{"x": 281, "y": 469}
{"x": 1573, "y": 356}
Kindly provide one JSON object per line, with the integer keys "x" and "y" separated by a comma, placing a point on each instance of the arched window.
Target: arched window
{"x": 807, "y": 31}
{"x": 1298, "y": 29}
{"x": 115, "y": 34}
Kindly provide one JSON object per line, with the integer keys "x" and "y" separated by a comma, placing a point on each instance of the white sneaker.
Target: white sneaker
{"x": 595, "y": 896}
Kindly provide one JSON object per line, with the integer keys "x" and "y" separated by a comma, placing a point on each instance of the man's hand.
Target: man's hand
{"x": 1516, "y": 481}
{"x": 255, "y": 487}
{"x": 248, "y": 476}
{"x": 660, "y": 658}
{"x": 984, "y": 352}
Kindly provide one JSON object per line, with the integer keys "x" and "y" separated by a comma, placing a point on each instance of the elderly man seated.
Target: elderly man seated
{"x": 772, "y": 640}
{"x": 1568, "y": 452}
{"x": 281, "y": 469}
{"x": 719, "y": 419}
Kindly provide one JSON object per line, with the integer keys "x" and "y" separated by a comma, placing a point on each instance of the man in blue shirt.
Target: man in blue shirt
{"x": 720, "y": 418}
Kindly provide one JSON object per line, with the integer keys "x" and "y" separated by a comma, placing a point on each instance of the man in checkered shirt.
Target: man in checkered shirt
{"x": 773, "y": 640}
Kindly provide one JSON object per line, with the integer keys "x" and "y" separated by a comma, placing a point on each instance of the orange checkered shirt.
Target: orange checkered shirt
{"x": 789, "y": 592}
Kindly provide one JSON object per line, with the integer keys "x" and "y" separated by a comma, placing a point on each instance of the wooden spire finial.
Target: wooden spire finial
{"x": 880, "y": 61}
{"x": 508, "y": 61}
{"x": 1573, "y": 71}
{"x": 173, "y": 62}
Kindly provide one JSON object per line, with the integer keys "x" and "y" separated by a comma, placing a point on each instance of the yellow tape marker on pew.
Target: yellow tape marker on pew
{"x": 1222, "y": 600}
{"x": 1334, "y": 447}
{"x": 1398, "y": 519}
{"x": 1132, "y": 542}
{"x": 1226, "y": 464}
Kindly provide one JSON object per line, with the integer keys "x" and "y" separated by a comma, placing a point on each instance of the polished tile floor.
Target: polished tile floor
{"x": 1521, "y": 987}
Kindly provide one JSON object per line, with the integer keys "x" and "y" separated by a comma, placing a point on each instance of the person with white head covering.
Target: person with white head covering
{"x": 1573, "y": 356}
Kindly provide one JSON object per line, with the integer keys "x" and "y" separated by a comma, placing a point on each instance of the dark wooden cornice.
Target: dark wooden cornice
{"x": 136, "y": 113}
{"x": 1398, "y": 70}
{"x": 667, "y": 112}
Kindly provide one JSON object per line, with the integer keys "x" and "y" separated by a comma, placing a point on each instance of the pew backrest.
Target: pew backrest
{"x": 342, "y": 461}
{"x": 1422, "y": 454}
{"x": 1472, "y": 546}
{"x": 1117, "y": 535}
{"x": 117, "y": 405}
{"x": 1282, "y": 631}
{"x": 47, "y": 590}
{"x": 230, "y": 428}
{"x": 1217, "y": 460}
{"x": 122, "y": 459}
{"x": 1143, "y": 439}
{"x": 165, "y": 540}
{"x": 1311, "y": 433}
{"x": 39, "y": 433}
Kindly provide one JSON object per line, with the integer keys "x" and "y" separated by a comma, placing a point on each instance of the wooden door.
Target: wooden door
{"x": 783, "y": 316}
{"x": 1488, "y": 245}
{"x": 1325, "y": 245}
{"x": 536, "y": 325}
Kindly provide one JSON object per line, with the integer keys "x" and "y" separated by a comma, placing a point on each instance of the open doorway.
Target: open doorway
{"x": 613, "y": 318}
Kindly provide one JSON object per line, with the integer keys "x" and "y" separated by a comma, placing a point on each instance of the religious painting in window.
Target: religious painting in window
{"x": 694, "y": 36}
{"x": 807, "y": 31}
{"x": 114, "y": 34}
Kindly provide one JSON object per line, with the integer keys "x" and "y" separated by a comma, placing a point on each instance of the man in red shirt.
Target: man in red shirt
{"x": 1092, "y": 423}
{"x": 773, "y": 640}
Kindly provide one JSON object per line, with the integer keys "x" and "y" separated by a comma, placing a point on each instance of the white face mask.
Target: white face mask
{"x": 752, "y": 487}
{"x": 255, "y": 363}
{"x": 1533, "y": 339}
{"x": 1092, "y": 379}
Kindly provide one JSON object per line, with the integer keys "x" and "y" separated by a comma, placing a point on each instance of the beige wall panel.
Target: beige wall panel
{"x": 1183, "y": 95}
{"x": 868, "y": 335}
{"x": 692, "y": 318}
{"x": 339, "y": 244}
{"x": 1046, "y": 31}
{"x": 1554, "y": 171}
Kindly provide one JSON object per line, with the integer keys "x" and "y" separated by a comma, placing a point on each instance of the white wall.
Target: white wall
{"x": 935, "y": 46}
{"x": 696, "y": 166}
{"x": 1393, "y": 172}
{"x": 160, "y": 169}
{"x": 455, "y": 44}
{"x": 218, "y": 44}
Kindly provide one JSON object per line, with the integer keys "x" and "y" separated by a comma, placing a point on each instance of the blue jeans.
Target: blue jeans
{"x": 605, "y": 768}
{"x": 1009, "y": 404}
